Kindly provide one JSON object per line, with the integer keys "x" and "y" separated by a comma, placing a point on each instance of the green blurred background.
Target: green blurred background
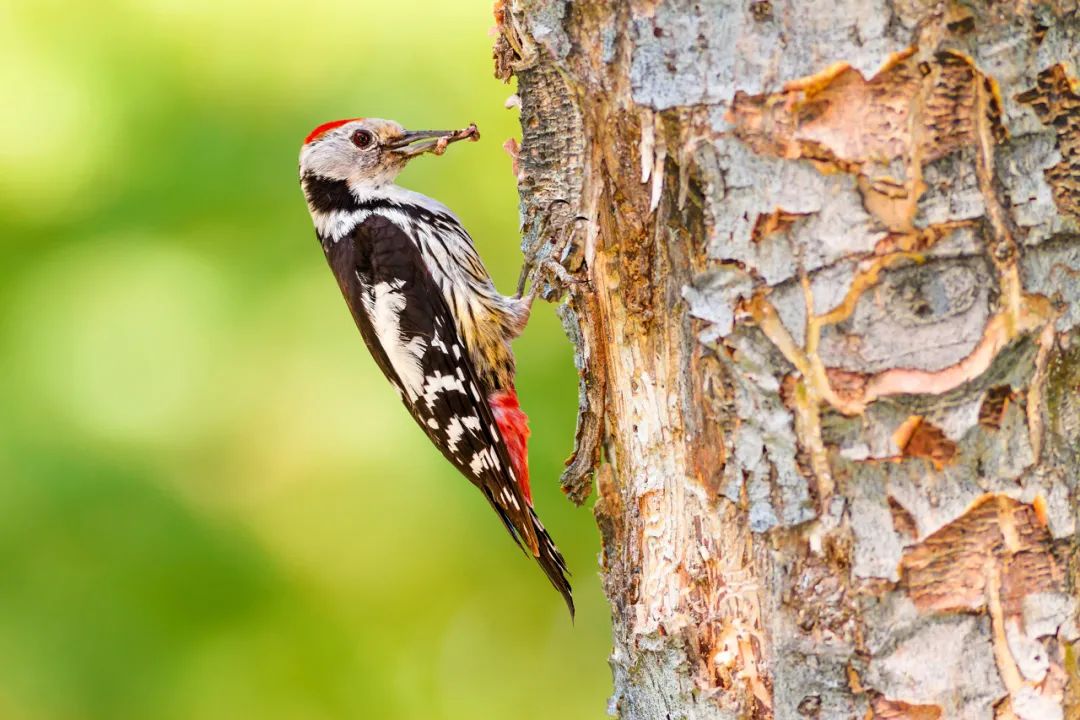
{"x": 212, "y": 505}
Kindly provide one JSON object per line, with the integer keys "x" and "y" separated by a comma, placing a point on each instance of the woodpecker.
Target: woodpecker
{"x": 428, "y": 311}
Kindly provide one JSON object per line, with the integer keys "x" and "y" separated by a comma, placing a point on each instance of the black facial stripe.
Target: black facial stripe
{"x": 326, "y": 195}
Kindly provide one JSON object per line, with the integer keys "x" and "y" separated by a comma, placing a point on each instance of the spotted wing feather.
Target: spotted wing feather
{"x": 411, "y": 333}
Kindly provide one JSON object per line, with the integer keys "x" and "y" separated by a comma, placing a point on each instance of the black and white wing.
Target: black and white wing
{"x": 410, "y": 331}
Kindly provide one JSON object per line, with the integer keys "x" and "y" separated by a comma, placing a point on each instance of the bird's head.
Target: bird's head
{"x": 369, "y": 152}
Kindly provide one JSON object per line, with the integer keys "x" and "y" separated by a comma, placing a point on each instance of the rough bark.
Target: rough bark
{"x": 827, "y": 329}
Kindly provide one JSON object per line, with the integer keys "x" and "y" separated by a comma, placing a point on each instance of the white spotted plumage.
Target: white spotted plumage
{"x": 383, "y": 305}
{"x": 487, "y": 319}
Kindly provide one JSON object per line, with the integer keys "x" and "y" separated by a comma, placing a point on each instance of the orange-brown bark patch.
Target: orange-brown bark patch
{"x": 914, "y": 111}
{"x": 834, "y": 115}
{"x": 886, "y": 709}
{"x": 1056, "y": 100}
{"x": 779, "y": 220}
{"x": 994, "y": 404}
{"x": 707, "y": 446}
{"x": 788, "y": 385}
{"x": 918, "y": 438}
{"x": 903, "y": 521}
{"x": 920, "y": 239}
{"x": 947, "y": 572}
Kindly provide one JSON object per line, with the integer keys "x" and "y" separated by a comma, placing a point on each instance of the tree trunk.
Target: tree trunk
{"x": 827, "y": 336}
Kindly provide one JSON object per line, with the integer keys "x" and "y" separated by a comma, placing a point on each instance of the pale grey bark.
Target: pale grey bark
{"x": 828, "y": 341}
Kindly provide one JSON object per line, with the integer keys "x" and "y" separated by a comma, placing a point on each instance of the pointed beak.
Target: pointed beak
{"x": 418, "y": 142}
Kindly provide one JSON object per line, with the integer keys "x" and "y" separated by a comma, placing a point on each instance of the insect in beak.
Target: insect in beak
{"x": 418, "y": 142}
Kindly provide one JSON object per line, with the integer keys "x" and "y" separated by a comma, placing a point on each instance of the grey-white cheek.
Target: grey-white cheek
{"x": 330, "y": 167}
{"x": 332, "y": 158}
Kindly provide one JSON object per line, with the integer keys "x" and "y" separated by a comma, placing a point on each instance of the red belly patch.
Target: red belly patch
{"x": 514, "y": 427}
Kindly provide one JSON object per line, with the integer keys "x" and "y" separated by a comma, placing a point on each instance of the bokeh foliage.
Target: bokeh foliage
{"x": 211, "y": 505}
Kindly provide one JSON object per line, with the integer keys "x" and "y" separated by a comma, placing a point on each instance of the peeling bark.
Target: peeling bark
{"x": 827, "y": 317}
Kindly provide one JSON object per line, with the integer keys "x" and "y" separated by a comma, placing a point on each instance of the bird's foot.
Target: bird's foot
{"x": 544, "y": 269}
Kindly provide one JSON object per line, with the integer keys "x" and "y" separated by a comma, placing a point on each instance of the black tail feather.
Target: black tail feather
{"x": 551, "y": 560}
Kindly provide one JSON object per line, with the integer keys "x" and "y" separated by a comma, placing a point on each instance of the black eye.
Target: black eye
{"x": 362, "y": 139}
